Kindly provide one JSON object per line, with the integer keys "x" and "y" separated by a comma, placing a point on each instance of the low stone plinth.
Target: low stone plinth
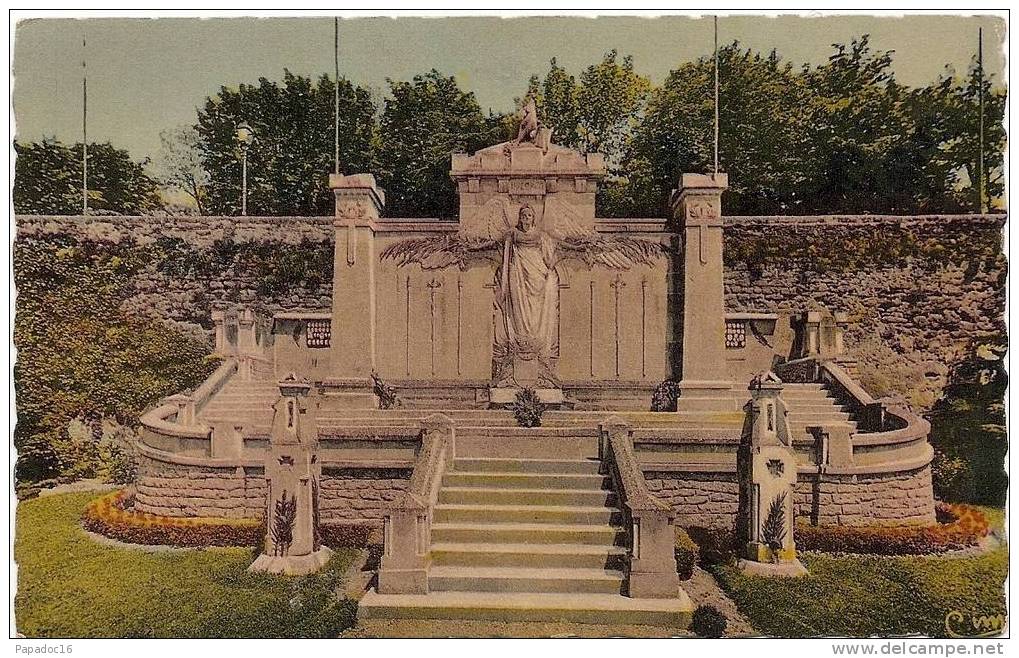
{"x": 507, "y": 396}
{"x": 292, "y": 565}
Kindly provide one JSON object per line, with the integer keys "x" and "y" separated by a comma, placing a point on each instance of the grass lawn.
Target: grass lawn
{"x": 72, "y": 586}
{"x": 860, "y": 596}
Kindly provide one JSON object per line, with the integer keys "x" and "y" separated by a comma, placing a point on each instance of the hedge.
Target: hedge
{"x": 958, "y": 527}
{"x": 112, "y": 516}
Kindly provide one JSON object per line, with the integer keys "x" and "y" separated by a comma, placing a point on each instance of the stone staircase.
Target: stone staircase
{"x": 527, "y": 540}
{"x": 247, "y": 402}
{"x": 812, "y": 404}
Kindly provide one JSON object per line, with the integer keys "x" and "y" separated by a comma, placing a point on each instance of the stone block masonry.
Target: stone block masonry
{"x": 176, "y": 490}
{"x": 712, "y": 500}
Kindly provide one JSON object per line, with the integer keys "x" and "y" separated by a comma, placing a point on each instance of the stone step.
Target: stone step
{"x": 526, "y": 480}
{"x": 522, "y": 579}
{"x": 588, "y": 556}
{"x": 528, "y": 606}
{"x": 546, "y": 466}
{"x": 554, "y": 514}
{"x": 820, "y": 405}
{"x": 807, "y": 386}
{"x": 813, "y": 416}
{"x": 519, "y": 496}
{"x": 806, "y": 395}
{"x": 527, "y": 533}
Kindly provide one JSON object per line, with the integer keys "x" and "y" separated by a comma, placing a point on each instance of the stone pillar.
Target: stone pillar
{"x": 186, "y": 412}
{"x": 812, "y": 333}
{"x": 841, "y": 324}
{"x": 358, "y": 204}
{"x": 293, "y": 472}
{"x": 246, "y": 343}
{"x": 697, "y": 208}
{"x": 219, "y": 321}
{"x": 767, "y": 474}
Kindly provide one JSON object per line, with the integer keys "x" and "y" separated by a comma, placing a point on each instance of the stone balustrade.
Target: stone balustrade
{"x": 407, "y": 528}
{"x": 651, "y": 572}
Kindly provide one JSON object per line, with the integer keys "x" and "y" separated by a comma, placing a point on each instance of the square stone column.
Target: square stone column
{"x": 359, "y": 201}
{"x": 697, "y": 209}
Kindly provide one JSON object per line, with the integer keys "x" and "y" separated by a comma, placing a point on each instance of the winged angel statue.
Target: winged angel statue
{"x": 529, "y": 253}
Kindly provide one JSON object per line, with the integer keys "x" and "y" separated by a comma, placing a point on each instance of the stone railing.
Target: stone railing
{"x": 651, "y": 572}
{"x": 888, "y": 438}
{"x": 175, "y": 419}
{"x": 407, "y": 525}
{"x": 869, "y": 412}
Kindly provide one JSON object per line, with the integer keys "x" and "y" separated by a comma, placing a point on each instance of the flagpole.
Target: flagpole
{"x": 980, "y": 92}
{"x": 84, "y": 129}
{"x": 716, "y": 97}
{"x": 336, "y": 94}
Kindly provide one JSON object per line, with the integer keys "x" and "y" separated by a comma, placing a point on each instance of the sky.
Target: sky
{"x": 148, "y": 75}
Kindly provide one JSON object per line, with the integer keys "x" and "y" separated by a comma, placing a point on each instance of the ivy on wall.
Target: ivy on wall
{"x": 850, "y": 247}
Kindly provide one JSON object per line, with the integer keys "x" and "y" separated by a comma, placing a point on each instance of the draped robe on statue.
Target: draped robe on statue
{"x": 529, "y": 294}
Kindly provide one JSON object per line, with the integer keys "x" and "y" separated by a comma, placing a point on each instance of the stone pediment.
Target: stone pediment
{"x": 527, "y": 173}
{"x": 527, "y": 159}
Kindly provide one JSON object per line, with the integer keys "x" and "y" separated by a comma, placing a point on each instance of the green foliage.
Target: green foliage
{"x": 81, "y": 358}
{"x": 424, "y": 121}
{"x": 527, "y": 408}
{"x": 708, "y": 621}
{"x": 860, "y": 596}
{"x": 279, "y": 268}
{"x": 293, "y": 148}
{"x": 842, "y": 136}
{"x": 48, "y": 179}
{"x": 71, "y": 586}
{"x": 969, "y": 435}
{"x": 686, "y": 554}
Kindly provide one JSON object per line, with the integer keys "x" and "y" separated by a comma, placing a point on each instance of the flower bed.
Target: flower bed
{"x": 958, "y": 527}
{"x": 112, "y": 516}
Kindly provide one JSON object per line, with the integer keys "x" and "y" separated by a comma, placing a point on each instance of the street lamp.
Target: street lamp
{"x": 245, "y": 135}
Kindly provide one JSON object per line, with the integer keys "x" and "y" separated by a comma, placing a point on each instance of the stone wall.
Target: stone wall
{"x": 712, "y": 500}
{"x": 919, "y": 291}
{"x": 360, "y": 494}
{"x": 356, "y": 495}
{"x": 893, "y": 499}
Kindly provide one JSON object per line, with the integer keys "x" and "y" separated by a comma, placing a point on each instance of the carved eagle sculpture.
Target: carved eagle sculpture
{"x": 483, "y": 241}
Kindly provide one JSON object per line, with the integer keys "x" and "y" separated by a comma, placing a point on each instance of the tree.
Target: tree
{"x": 760, "y": 138}
{"x": 424, "y": 121}
{"x": 48, "y": 180}
{"x": 181, "y": 165}
{"x": 610, "y": 102}
{"x": 292, "y": 152}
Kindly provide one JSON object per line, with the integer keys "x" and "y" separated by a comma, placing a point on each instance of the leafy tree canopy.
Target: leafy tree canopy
{"x": 293, "y": 148}
{"x": 48, "y": 180}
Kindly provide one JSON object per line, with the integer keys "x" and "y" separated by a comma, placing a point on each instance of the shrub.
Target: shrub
{"x": 82, "y": 358}
{"x": 686, "y": 554}
{"x": 527, "y": 408}
{"x": 708, "y": 621}
{"x": 959, "y": 526}
{"x": 665, "y": 396}
{"x": 715, "y": 545}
